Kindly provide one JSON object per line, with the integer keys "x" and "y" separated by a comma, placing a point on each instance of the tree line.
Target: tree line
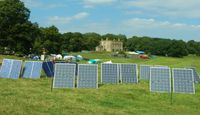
{"x": 20, "y": 35}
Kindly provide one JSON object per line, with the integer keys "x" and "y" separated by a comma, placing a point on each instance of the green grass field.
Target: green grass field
{"x": 34, "y": 97}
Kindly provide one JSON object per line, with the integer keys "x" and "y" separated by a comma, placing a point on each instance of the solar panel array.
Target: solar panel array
{"x": 160, "y": 79}
{"x": 11, "y": 68}
{"x": 32, "y": 69}
{"x": 145, "y": 72}
{"x": 183, "y": 80}
{"x": 48, "y": 68}
{"x": 64, "y": 76}
{"x": 87, "y": 76}
{"x": 128, "y": 73}
{"x": 109, "y": 73}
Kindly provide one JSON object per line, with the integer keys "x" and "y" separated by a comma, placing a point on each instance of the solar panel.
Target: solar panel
{"x": 64, "y": 75}
{"x": 145, "y": 72}
{"x": 183, "y": 80}
{"x": 5, "y": 69}
{"x": 128, "y": 73}
{"x": 109, "y": 73}
{"x": 37, "y": 67}
{"x": 48, "y": 68}
{"x": 160, "y": 79}
{"x": 16, "y": 69}
{"x": 87, "y": 76}
{"x": 195, "y": 74}
{"x": 32, "y": 69}
{"x": 11, "y": 68}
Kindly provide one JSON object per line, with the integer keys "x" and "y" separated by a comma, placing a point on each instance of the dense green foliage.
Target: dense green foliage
{"x": 163, "y": 47}
{"x": 21, "y": 36}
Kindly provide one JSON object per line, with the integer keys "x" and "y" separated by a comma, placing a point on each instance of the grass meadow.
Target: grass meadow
{"x": 34, "y": 97}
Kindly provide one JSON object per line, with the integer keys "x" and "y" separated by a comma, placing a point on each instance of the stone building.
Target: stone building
{"x": 110, "y": 45}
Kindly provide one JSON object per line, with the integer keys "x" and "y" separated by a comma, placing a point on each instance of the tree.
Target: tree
{"x": 177, "y": 49}
{"x": 50, "y": 40}
{"x": 192, "y": 47}
{"x": 16, "y": 32}
{"x": 91, "y": 40}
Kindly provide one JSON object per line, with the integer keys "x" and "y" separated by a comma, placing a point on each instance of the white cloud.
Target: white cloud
{"x": 64, "y": 20}
{"x": 92, "y": 3}
{"x": 80, "y": 15}
{"x": 154, "y": 28}
{"x": 99, "y": 1}
{"x": 40, "y": 4}
{"x": 183, "y": 8}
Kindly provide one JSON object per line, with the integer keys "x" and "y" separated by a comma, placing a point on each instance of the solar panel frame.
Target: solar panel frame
{"x": 117, "y": 74}
{"x": 124, "y": 78}
{"x": 65, "y": 70}
{"x": 147, "y": 71}
{"x": 161, "y": 88}
{"x": 80, "y": 78}
{"x": 181, "y": 82}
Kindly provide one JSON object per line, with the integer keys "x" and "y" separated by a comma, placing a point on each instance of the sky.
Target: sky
{"x": 174, "y": 19}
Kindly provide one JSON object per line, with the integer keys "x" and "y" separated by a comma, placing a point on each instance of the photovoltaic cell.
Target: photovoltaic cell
{"x": 109, "y": 73}
{"x": 128, "y": 73}
{"x": 145, "y": 72}
{"x": 64, "y": 76}
{"x": 11, "y": 68}
{"x": 160, "y": 79}
{"x": 32, "y": 69}
{"x": 87, "y": 76}
{"x": 48, "y": 68}
{"x": 183, "y": 80}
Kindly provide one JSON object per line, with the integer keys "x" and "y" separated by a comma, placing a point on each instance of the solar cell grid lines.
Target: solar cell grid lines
{"x": 110, "y": 73}
{"x": 160, "y": 79}
{"x": 32, "y": 69}
{"x": 11, "y": 68}
{"x": 129, "y": 73}
{"x": 145, "y": 72}
{"x": 64, "y": 75}
{"x": 183, "y": 80}
{"x": 87, "y": 76}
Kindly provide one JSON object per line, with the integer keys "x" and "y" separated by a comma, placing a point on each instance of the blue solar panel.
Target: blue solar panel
{"x": 183, "y": 80}
{"x": 48, "y": 68}
{"x": 64, "y": 75}
{"x": 10, "y": 68}
{"x": 5, "y": 69}
{"x": 160, "y": 79}
{"x": 32, "y": 69}
{"x": 128, "y": 73}
{"x": 37, "y": 67}
{"x": 87, "y": 76}
{"x": 16, "y": 69}
{"x": 28, "y": 66}
{"x": 145, "y": 72}
{"x": 109, "y": 73}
